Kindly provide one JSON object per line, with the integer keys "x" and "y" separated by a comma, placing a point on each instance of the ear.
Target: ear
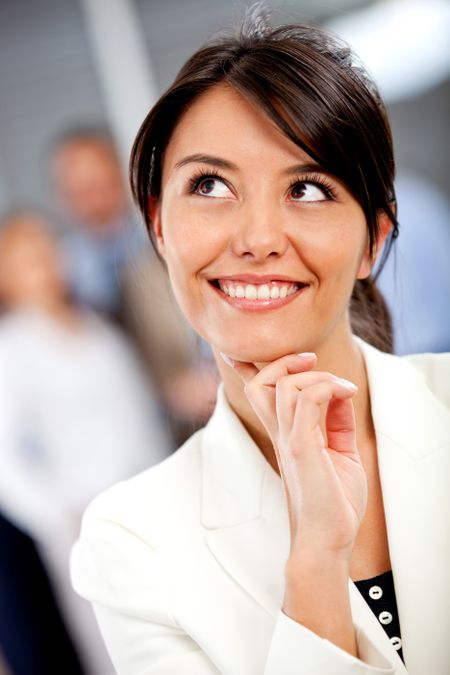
{"x": 154, "y": 208}
{"x": 368, "y": 261}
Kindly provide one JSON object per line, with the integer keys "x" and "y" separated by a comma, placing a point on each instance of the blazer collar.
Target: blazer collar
{"x": 404, "y": 409}
{"x": 235, "y": 471}
{"x": 413, "y": 441}
{"x": 243, "y": 508}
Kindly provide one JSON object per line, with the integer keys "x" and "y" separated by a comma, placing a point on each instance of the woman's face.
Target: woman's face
{"x": 262, "y": 247}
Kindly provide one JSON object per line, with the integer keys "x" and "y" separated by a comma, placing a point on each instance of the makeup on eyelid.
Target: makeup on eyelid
{"x": 316, "y": 181}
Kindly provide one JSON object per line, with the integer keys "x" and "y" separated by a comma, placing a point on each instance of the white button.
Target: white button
{"x": 396, "y": 643}
{"x": 375, "y": 592}
{"x": 385, "y": 618}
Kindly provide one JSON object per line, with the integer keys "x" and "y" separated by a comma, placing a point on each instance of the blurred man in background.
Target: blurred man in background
{"x": 103, "y": 236}
{"x": 112, "y": 268}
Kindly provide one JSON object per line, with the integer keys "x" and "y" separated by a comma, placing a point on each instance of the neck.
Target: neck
{"x": 339, "y": 355}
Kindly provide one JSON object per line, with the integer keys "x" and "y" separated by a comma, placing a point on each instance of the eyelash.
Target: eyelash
{"x": 316, "y": 179}
{"x": 319, "y": 181}
{"x": 201, "y": 175}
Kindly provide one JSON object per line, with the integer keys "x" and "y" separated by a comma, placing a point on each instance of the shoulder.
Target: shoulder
{"x": 154, "y": 501}
{"x": 435, "y": 371}
{"x": 408, "y": 374}
{"x": 129, "y": 532}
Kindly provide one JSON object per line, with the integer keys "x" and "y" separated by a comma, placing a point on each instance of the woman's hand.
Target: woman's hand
{"x": 324, "y": 480}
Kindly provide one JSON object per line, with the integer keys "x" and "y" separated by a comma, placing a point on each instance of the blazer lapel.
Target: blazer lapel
{"x": 246, "y": 522}
{"x": 243, "y": 509}
{"x": 413, "y": 440}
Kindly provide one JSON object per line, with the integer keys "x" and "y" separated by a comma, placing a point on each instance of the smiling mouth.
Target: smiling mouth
{"x": 262, "y": 292}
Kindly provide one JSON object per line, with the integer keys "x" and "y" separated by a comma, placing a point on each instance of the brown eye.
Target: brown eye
{"x": 305, "y": 191}
{"x": 211, "y": 186}
{"x": 206, "y": 186}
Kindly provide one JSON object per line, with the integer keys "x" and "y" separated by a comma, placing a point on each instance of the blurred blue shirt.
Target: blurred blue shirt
{"x": 93, "y": 264}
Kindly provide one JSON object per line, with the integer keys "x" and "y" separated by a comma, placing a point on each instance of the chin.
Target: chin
{"x": 263, "y": 353}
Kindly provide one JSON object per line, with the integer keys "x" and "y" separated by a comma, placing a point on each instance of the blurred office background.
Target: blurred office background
{"x": 66, "y": 63}
{"x": 59, "y": 58}
{"x": 80, "y": 75}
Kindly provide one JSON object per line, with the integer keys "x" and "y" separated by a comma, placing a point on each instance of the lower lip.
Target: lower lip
{"x": 258, "y": 305}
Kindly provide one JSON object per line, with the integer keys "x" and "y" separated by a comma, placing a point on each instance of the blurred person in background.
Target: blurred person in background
{"x": 76, "y": 412}
{"x": 112, "y": 268}
{"x": 103, "y": 235}
{"x": 33, "y": 636}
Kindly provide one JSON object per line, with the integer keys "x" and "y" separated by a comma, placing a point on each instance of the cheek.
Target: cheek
{"x": 336, "y": 252}
{"x": 193, "y": 237}
{"x": 178, "y": 233}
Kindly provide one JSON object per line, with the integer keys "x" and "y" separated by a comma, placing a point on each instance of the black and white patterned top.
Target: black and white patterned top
{"x": 379, "y": 593}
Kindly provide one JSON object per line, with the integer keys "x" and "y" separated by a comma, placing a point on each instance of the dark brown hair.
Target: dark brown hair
{"x": 310, "y": 84}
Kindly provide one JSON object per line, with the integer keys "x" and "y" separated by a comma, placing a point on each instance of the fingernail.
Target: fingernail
{"x": 306, "y": 355}
{"x": 346, "y": 383}
{"x": 227, "y": 360}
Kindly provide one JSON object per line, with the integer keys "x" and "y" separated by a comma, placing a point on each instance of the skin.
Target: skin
{"x": 30, "y": 270}
{"x": 293, "y": 374}
{"x": 88, "y": 180}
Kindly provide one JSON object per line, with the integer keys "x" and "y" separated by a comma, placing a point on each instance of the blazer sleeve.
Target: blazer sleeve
{"x": 122, "y": 575}
{"x": 295, "y": 650}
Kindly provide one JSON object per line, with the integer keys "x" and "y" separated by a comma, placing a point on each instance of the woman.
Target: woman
{"x": 265, "y": 176}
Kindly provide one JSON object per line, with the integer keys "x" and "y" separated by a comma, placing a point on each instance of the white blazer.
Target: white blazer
{"x": 184, "y": 563}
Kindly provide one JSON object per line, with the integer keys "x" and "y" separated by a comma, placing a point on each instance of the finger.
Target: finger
{"x": 260, "y": 384}
{"x": 261, "y": 392}
{"x": 264, "y": 382}
{"x": 287, "y": 365}
{"x": 340, "y": 425}
{"x": 244, "y": 369}
{"x": 287, "y": 389}
{"x": 307, "y": 413}
{"x": 268, "y": 374}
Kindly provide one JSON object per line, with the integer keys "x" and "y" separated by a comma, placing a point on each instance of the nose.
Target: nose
{"x": 259, "y": 234}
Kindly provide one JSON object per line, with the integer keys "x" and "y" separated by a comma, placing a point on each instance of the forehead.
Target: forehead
{"x": 223, "y": 122}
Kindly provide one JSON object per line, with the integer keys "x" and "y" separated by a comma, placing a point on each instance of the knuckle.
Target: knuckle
{"x": 294, "y": 448}
{"x": 249, "y": 388}
{"x": 284, "y": 383}
{"x": 307, "y": 395}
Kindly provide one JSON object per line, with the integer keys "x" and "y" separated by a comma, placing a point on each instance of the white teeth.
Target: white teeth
{"x": 250, "y": 292}
{"x": 263, "y": 292}
{"x": 260, "y": 292}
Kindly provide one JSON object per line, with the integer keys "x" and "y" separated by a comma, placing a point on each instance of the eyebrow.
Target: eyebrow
{"x": 221, "y": 163}
{"x": 206, "y": 159}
